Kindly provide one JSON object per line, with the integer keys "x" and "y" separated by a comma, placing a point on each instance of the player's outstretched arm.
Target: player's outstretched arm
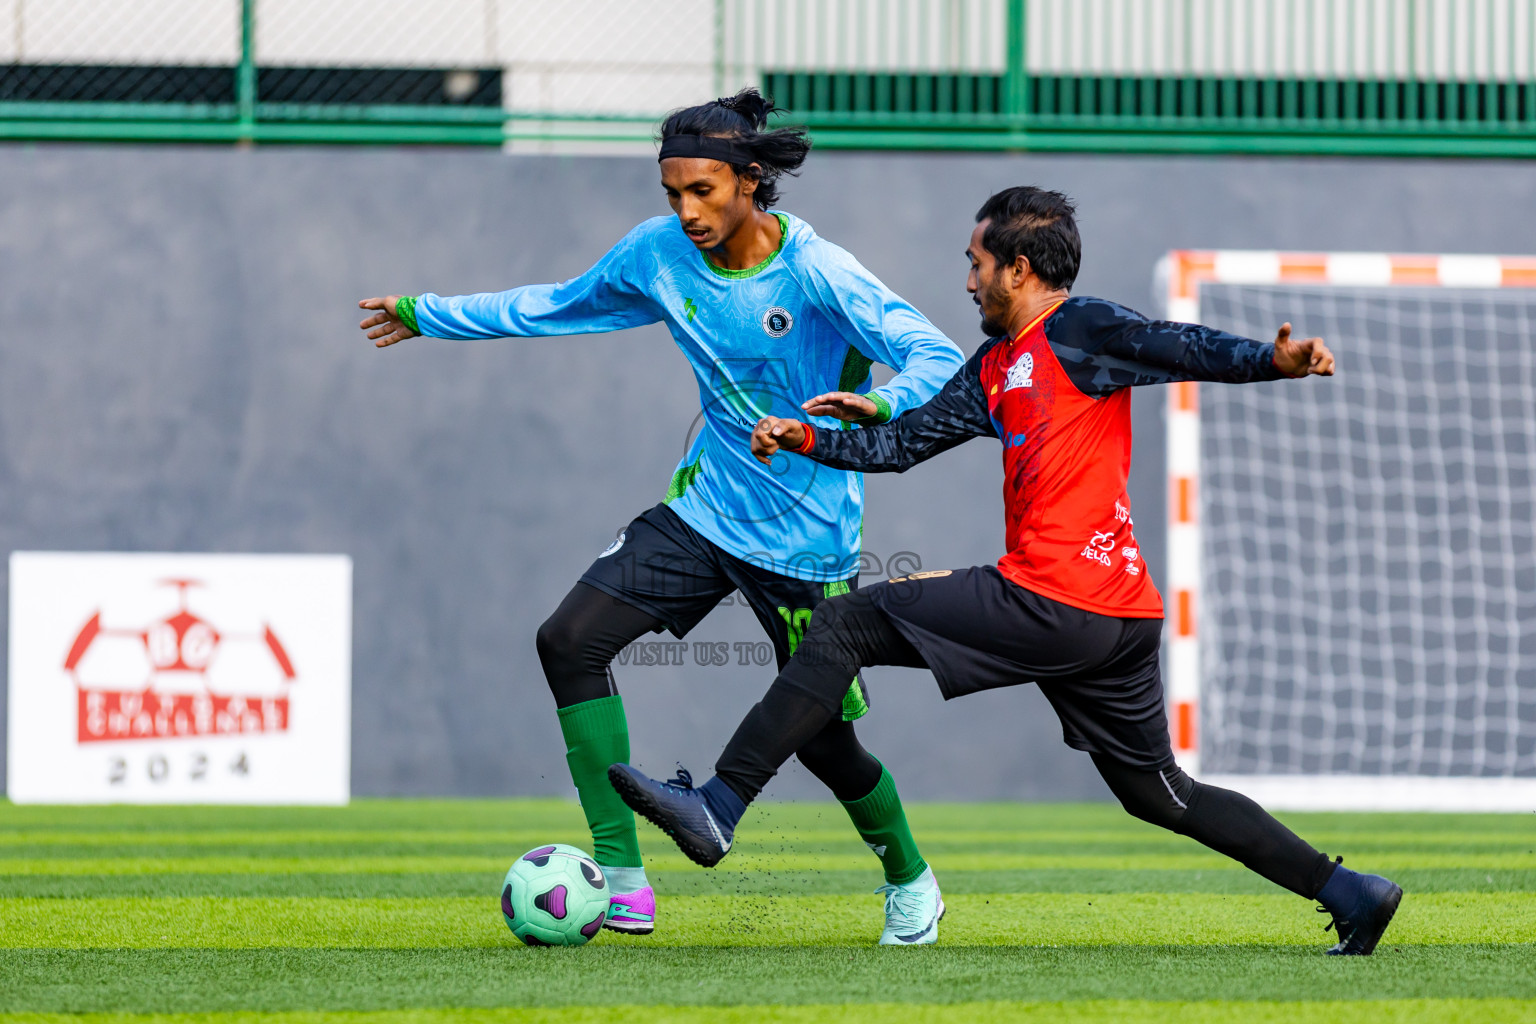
{"x": 610, "y": 296}
{"x": 386, "y": 326}
{"x": 953, "y": 416}
{"x": 1117, "y": 347}
{"x": 1301, "y": 358}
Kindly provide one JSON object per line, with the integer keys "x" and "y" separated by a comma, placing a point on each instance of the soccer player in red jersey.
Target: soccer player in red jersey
{"x": 1070, "y": 606}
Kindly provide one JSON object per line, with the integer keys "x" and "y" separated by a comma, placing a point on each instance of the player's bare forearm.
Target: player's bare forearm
{"x": 385, "y": 327}
{"x": 1303, "y": 357}
{"x": 845, "y": 405}
{"x": 773, "y": 433}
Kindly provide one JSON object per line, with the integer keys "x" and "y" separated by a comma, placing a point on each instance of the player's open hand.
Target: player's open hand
{"x": 772, "y": 433}
{"x": 385, "y": 327}
{"x": 844, "y": 405}
{"x": 1301, "y": 358}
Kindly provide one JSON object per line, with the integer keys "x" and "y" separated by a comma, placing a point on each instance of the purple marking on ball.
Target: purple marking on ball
{"x": 593, "y": 874}
{"x": 506, "y": 902}
{"x": 552, "y": 902}
{"x": 591, "y": 929}
{"x": 539, "y": 857}
{"x": 532, "y": 941}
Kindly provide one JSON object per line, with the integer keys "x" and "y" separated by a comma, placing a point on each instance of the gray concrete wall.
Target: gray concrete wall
{"x": 179, "y": 370}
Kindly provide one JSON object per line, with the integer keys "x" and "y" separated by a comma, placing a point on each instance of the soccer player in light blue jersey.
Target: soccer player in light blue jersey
{"x": 765, "y": 311}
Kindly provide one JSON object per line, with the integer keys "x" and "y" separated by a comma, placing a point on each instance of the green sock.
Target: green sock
{"x": 596, "y": 736}
{"x": 883, "y": 824}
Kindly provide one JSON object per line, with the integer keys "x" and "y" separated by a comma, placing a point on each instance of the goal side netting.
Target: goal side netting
{"x": 1355, "y": 599}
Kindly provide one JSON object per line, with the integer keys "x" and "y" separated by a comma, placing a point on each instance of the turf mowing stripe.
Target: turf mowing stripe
{"x": 749, "y": 856}
{"x": 145, "y": 981}
{"x": 691, "y": 881}
{"x": 756, "y": 831}
{"x": 976, "y": 919}
{"x": 531, "y": 812}
{"x": 1195, "y": 858}
{"x": 362, "y": 812}
{"x": 283, "y": 837}
{"x": 498, "y": 819}
{"x": 1128, "y": 1011}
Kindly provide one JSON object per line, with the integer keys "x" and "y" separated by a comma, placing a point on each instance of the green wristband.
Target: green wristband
{"x": 405, "y": 311}
{"x": 882, "y": 409}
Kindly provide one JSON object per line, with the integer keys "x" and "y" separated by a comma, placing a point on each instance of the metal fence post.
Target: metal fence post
{"x": 245, "y": 72}
{"x": 1016, "y": 98}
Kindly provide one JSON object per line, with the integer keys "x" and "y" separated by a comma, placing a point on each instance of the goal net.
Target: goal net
{"x": 1353, "y": 561}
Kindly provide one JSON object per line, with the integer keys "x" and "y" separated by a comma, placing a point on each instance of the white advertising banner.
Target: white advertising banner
{"x": 172, "y": 678}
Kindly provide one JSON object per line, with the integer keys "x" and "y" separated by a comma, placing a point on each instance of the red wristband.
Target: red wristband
{"x": 809, "y": 442}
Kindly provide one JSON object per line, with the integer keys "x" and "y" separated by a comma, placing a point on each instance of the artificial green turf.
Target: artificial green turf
{"x": 1128, "y": 1011}
{"x": 691, "y": 881}
{"x": 390, "y": 906}
{"x": 460, "y": 922}
{"x": 287, "y": 979}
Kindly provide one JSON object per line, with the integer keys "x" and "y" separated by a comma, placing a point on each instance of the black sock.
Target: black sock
{"x": 1232, "y": 824}
{"x": 1227, "y": 822}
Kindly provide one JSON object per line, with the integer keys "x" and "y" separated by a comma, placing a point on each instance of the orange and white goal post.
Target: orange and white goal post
{"x": 1351, "y": 565}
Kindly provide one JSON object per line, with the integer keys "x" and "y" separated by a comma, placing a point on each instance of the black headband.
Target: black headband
{"x": 710, "y": 147}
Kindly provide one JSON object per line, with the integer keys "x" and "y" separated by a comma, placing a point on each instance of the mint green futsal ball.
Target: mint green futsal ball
{"x": 554, "y": 896}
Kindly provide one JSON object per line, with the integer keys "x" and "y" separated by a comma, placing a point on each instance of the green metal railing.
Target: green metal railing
{"x": 1162, "y": 114}
{"x": 241, "y": 115}
{"x": 1416, "y": 77}
{"x": 1451, "y": 77}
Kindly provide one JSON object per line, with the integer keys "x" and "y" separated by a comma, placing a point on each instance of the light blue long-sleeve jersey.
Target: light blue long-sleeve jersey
{"x": 806, "y": 321}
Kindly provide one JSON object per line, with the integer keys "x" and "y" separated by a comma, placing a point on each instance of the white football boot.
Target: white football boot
{"x": 912, "y": 911}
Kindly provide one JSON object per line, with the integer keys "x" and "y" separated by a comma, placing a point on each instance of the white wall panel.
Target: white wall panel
{"x": 647, "y": 55}
{"x": 607, "y": 89}
{"x": 655, "y": 32}
{"x": 125, "y": 31}
{"x": 1478, "y": 39}
{"x": 10, "y": 34}
{"x": 391, "y": 33}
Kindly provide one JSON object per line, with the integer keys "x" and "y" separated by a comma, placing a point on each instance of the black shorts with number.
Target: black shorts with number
{"x": 977, "y": 630}
{"x": 663, "y": 566}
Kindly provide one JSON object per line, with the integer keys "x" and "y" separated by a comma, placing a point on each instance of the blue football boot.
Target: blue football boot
{"x": 1362, "y": 906}
{"x": 701, "y": 821}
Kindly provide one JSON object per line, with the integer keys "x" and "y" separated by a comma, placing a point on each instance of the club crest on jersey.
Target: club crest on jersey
{"x": 1021, "y": 373}
{"x": 777, "y": 321}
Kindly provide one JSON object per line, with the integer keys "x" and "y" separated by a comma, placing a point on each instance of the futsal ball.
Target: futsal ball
{"x": 554, "y": 896}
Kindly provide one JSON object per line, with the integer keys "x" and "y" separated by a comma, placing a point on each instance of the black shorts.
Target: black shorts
{"x": 663, "y": 566}
{"x": 977, "y": 630}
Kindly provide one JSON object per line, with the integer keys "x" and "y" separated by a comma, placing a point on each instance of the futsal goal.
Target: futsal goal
{"x": 1351, "y": 579}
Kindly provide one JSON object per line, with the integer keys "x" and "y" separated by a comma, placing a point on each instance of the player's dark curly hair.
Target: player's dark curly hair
{"x": 1038, "y": 225}
{"x": 743, "y": 118}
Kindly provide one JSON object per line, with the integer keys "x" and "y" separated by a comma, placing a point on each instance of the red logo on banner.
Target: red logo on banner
{"x": 186, "y": 644}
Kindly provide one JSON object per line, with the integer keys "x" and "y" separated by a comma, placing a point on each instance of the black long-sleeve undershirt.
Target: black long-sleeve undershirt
{"x": 1102, "y": 346}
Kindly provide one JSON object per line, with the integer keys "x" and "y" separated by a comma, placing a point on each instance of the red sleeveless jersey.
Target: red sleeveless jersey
{"x": 1058, "y": 396}
{"x": 1066, "y": 460}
